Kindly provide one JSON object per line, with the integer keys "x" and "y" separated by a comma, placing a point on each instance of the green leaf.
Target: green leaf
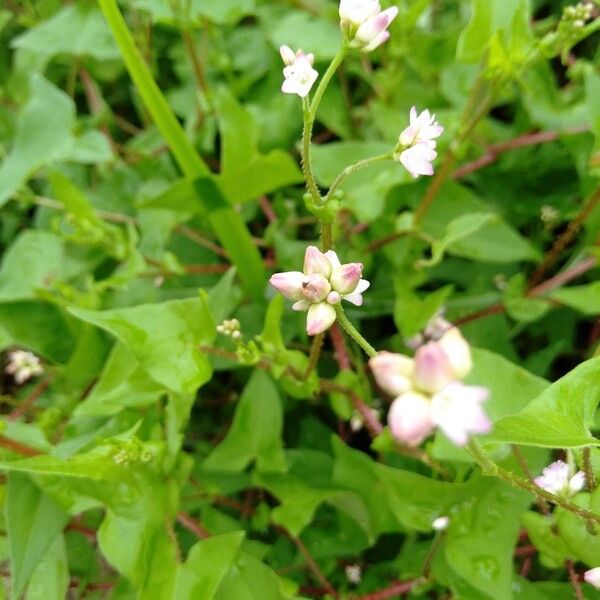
{"x": 561, "y": 416}
{"x": 255, "y": 434}
{"x": 518, "y": 305}
{"x": 164, "y": 338}
{"x": 124, "y": 383}
{"x": 50, "y": 579}
{"x": 490, "y": 17}
{"x": 482, "y": 535}
{"x": 207, "y": 564}
{"x": 584, "y": 298}
{"x": 458, "y": 229}
{"x": 574, "y": 532}
{"x": 43, "y": 135}
{"x": 34, "y": 522}
{"x": 541, "y": 530}
{"x": 34, "y": 261}
{"x": 77, "y": 29}
{"x": 494, "y": 242}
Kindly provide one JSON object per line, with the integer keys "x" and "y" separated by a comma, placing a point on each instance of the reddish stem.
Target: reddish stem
{"x": 192, "y": 525}
{"x": 26, "y": 405}
{"x": 395, "y": 590}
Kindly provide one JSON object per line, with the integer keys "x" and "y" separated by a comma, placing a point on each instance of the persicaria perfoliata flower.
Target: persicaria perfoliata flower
{"x": 23, "y": 365}
{"x": 298, "y": 72}
{"x": 427, "y": 390}
{"x": 592, "y": 576}
{"x": 557, "y": 479}
{"x": 324, "y": 282}
{"x": 364, "y": 24}
{"x": 416, "y": 145}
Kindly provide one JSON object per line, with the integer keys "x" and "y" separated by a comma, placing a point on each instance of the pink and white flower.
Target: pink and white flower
{"x": 364, "y": 23}
{"x": 410, "y": 418}
{"x": 592, "y": 576}
{"x": 457, "y": 411}
{"x": 324, "y": 283}
{"x": 416, "y": 145}
{"x": 427, "y": 390}
{"x": 298, "y": 72}
{"x": 557, "y": 479}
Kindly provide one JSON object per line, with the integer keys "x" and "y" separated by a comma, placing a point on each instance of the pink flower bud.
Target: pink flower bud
{"x": 375, "y": 26}
{"x": 345, "y": 279}
{"x": 410, "y": 418}
{"x": 457, "y": 350}
{"x": 433, "y": 370}
{"x": 355, "y": 12}
{"x": 392, "y": 372}
{"x": 315, "y": 288}
{"x": 289, "y": 284}
{"x": 320, "y": 317}
{"x": 316, "y": 263}
{"x": 334, "y": 298}
{"x": 592, "y": 576}
{"x": 287, "y": 55}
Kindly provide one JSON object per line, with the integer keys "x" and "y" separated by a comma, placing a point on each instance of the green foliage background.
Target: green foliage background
{"x": 150, "y": 182}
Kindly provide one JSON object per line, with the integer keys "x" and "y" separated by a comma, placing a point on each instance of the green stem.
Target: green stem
{"x": 489, "y": 467}
{"x": 311, "y": 184}
{"x": 361, "y": 164}
{"x": 331, "y": 69}
{"x": 353, "y": 332}
{"x": 315, "y": 352}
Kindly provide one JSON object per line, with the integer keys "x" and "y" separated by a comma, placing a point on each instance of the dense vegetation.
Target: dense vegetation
{"x": 170, "y": 428}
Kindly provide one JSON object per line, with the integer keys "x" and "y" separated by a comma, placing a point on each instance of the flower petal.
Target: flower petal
{"x": 320, "y": 317}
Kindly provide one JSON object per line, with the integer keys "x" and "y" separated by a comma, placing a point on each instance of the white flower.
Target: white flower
{"x": 422, "y": 128}
{"x": 441, "y": 523}
{"x": 364, "y": 23}
{"x": 324, "y": 283}
{"x": 457, "y": 411}
{"x": 23, "y": 365}
{"x": 593, "y": 577}
{"x": 433, "y": 369}
{"x": 416, "y": 145}
{"x": 457, "y": 350}
{"x": 557, "y": 479}
{"x": 298, "y": 72}
{"x": 353, "y": 574}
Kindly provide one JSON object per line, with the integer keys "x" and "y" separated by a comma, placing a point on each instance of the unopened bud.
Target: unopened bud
{"x": 458, "y": 351}
{"x": 433, "y": 370}
{"x": 410, "y": 418}
{"x": 316, "y": 263}
{"x": 316, "y": 288}
{"x": 345, "y": 279}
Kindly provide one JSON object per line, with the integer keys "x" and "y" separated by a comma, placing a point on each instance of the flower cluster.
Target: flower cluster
{"x": 557, "y": 479}
{"x": 428, "y": 392}
{"x": 298, "y": 72}
{"x": 324, "y": 283}
{"x": 23, "y": 365}
{"x": 416, "y": 145}
{"x": 364, "y": 24}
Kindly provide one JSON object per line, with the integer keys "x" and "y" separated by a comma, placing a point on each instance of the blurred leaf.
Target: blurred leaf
{"x": 34, "y": 522}
{"x": 50, "y": 579}
{"x": 584, "y": 298}
{"x": 165, "y": 338}
{"x": 43, "y": 135}
{"x": 77, "y": 29}
{"x": 580, "y": 543}
{"x": 541, "y": 530}
{"x": 300, "y": 30}
{"x": 520, "y": 306}
{"x": 207, "y": 564}
{"x": 34, "y": 261}
{"x": 255, "y": 434}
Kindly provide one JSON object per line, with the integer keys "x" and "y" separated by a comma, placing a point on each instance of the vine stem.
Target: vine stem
{"x": 361, "y": 164}
{"x": 586, "y": 459}
{"x": 315, "y": 352}
{"x": 311, "y": 184}
{"x": 353, "y": 332}
{"x": 331, "y": 69}
{"x": 489, "y": 467}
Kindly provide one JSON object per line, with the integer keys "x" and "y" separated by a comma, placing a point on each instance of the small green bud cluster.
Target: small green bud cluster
{"x": 132, "y": 451}
{"x": 230, "y": 328}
